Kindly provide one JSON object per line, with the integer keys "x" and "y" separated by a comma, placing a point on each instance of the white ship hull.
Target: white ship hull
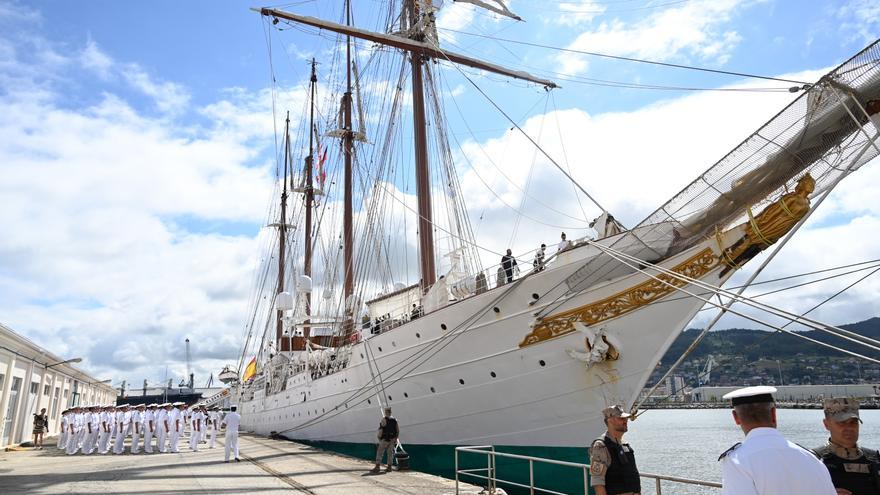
{"x": 481, "y": 386}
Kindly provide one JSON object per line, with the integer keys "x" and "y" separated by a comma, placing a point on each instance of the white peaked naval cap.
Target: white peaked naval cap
{"x": 751, "y": 395}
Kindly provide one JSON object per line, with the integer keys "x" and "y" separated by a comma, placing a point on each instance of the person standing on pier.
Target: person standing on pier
{"x": 175, "y": 420}
{"x": 105, "y": 427}
{"x": 149, "y": 428}
{"x": 74, "y": 428}
{"x": 388, "y": 433}
{"x": 62, "y": 437}
{"x": 214, "y": 421}
{"x": 198, "y": 423}
{"x": 163, "y": 420}
{"x": 93, "y": 426}
{"x": 765, "y": 463}
{"x": 123, "y": 424}
{"x": 855, "y": 470}
{"x": 137, "y": 427}
{"x": 231, "y": 421}
{"x": 613, "y": 468}
{"x": 41, "y": 424}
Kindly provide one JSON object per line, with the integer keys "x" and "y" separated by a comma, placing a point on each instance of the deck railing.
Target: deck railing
{"x": 488, "y": 474}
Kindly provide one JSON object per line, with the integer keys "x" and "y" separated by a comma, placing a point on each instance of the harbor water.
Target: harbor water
{"x": 687, "y": 442}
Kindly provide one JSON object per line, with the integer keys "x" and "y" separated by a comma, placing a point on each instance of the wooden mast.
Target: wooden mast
{"x": 347, "y": 143}
{"x": 419, "y": 49}
{"x": 282, "y": 343}
{"x": 423, "y": 170}
{"x": 309, "y": 200}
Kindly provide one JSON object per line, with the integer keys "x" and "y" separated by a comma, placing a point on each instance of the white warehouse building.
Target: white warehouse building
{"x": 32, "y": 378}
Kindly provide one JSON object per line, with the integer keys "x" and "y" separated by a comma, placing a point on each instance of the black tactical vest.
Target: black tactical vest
{"x": 389, "y": 431}
{"x": 860, "y": 476}
{"x": 622, "y": 475}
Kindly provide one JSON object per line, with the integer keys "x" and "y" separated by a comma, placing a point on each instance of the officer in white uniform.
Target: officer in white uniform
{"x": 123, "y": 426}
{"x": 106, "y": 420}
{"x": 137, "y": 427}
{"x": 765, "y": 463}
{"x": 214, "y": 420}
{"x": 197, "y": 422}
{"x": 175, "y": 419}
{"x": 149, "y": 427}
{"x": 164, "y": 425}
{"x": 92, "y": 427}
{"x": 231, "y": 421}
{"x": 74, "y": 429}
{"x": 62, "y": 437}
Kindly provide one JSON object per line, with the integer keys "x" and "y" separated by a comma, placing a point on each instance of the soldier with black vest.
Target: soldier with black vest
{"x": 613, "y": 468}
{"x": 387, "y": 434}
{"x": 854, "y": 469}
{"x": 765, "y": 463}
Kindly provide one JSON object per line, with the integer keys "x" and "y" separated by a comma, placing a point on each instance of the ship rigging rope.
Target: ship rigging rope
{"x": 634, "y": 263}
{"x": 629, "y": 59}
{"x": 522, "y": 131}
{"x": 795, "y": 318}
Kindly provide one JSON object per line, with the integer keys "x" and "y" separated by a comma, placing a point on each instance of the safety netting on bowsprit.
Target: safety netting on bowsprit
{"x": 828, "y": 131}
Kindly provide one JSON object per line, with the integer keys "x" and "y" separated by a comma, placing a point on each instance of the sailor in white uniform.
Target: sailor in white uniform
{"x": 149, "y": 427}
{"x": 164, "y": 423}
{"x": 137, "y": 427}
{"x": 231, "y": 421}
{"x": 74, "y": 429}
{"x": 197, "y": 425}
{"x": 106, "y": 419}
{"x": 123, "y": 425}
{"x": 175, "y": 419}
{"x": 765, "y": 463}
{"x": 214, "y": 421}
{"x": 62, "y": 436}
{"x": 92, "y": 426}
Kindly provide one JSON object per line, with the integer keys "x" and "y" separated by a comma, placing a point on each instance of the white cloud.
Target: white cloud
{"x": 579, "y": 12}
{"x": 169, "y": 97}
{"x": 456, "y": 16}
{"x": 859, "y": 20}
{"x": 93, "y": 58}
{"x": 695, "y": 29}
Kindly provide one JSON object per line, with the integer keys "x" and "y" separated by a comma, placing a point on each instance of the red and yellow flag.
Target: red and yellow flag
{"x": 250, "y": 370}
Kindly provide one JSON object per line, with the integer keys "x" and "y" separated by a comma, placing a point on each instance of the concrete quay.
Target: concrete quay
{"x": 267, "y": 467}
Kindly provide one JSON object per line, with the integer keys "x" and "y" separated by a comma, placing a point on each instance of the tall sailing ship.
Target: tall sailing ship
{"x": 461, "y": 354}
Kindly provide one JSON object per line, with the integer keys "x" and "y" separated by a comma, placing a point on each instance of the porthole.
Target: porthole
{"x": 389, "y": 398}
{"x": 443, "y": 326}
{"x": 405, "y": 395}
{"x": 380, "y": 349}
{"x": 418, "y": 336}
{"x": 461, "y": 381}
{"x": 432, "y": 390}
{"x": 368, "y": 401}
{"x": 535, "y": 296}
{"x": 492, "y": 374}
{"x": 496, "y": 309}
{"x": 542, "y": 363}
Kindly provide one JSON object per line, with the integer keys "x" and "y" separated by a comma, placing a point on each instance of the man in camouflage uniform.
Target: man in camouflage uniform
{"x": 853, "y": 469}
{"x": 613, "y": 468}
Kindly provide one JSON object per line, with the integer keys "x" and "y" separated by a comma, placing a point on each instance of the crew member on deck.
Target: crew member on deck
{"x": 564, "y": 244}
{"x": 854, "y": 469}
{"x": 508, "y": 262}
{"x": 613, "y": 468}
{"x": 765, "y": 463}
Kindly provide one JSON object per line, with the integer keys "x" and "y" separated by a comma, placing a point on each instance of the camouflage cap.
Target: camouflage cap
{"x": 841, "y": 409}
{"x": 615, "y": 411}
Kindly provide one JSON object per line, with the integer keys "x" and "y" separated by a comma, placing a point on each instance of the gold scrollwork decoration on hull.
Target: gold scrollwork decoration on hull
{"x": 623, "y": 302}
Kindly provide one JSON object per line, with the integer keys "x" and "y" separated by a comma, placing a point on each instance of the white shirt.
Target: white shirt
{"x": 768, "y": 464}
{"x": 232, "y": 420}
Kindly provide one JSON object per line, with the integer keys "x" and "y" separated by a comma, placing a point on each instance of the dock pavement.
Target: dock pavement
{"x": 267, "y": 467}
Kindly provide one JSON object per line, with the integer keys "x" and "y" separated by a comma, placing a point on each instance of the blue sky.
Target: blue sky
{"x": 136, "y": 147}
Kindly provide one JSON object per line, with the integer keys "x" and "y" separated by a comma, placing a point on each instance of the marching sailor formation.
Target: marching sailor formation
{"x": 154, "y": 427}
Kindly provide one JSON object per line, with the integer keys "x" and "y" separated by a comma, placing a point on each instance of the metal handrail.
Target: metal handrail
{"x": 490, "y": 475}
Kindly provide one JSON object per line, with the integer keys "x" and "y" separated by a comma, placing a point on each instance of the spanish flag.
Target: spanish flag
{"x": 250, "y": 370}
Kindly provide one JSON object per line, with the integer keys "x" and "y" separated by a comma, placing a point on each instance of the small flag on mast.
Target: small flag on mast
{"x": 250, "y": 371}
